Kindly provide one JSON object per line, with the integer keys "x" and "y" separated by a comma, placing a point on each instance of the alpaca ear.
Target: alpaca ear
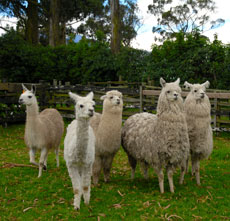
{"x": 177, "y": 81}
{"x": 103, "y": 97}
{"x": 162, "y": 82}
{"x": 24, "y": 88}
{"x": 206, "y": 84}
{"x": 33, "y": 89}
{"x": 187, "y": 85}
{"x": 75, "y": 97}
{"x": 90, "y": 95}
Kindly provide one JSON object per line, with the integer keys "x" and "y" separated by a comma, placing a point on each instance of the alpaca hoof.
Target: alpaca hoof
{"x": 76, "y": 208}
{"x": 44, "y": 167}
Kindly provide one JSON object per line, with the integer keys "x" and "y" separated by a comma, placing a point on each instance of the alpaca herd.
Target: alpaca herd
{"x": 165, "y": 140}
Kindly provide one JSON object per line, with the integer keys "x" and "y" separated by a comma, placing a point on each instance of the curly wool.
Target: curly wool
{"x": 160, "y": 140}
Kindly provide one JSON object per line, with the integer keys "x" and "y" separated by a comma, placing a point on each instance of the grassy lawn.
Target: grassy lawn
{"x": 25, "y": 197}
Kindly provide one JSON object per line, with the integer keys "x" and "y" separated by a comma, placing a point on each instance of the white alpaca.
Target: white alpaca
{"x": 43, "y": 131}
{"x": 161, "y": 140}
{"x": 107, "y": 129}
{"x": 198, "y": 116}
{"x": 79, "y": 148}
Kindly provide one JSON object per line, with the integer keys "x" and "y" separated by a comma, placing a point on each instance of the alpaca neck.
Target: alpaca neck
{"x": 82, "y": 131}
{"x": 32, "y": 112}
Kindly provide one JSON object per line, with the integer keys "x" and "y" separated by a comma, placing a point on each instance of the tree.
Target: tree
{"x": 48, "y": 16}
{"x": 32, "y": 22}
{"x": 187, "y": 17}
{"x": 27, "y": 14}
{"x": 115, "y": 26}
{"x": 102, "y": 23}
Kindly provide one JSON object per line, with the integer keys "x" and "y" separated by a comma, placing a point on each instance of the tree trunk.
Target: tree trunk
{"x": 63, "y": 33}
{"x": 32, "y": 22}
{"x": 54, "y": 19}
{"x": 115, "y": 18}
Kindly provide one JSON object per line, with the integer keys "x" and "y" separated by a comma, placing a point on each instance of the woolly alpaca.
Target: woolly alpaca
{"x": 198, "y": 109}
{"x": 79, "y": 148}
{"x": 43, "y": 131}
{"x": 159, "y": 140}
{"x": 107, "y": 129}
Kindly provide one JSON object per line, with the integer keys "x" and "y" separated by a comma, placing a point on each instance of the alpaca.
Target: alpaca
{"x": 43, "y": 131}
{"x": 198, "y": 109}
{"x": 107, "y": 129}
{"x": 159, "y": 140}
{"x": 79, "y": 148}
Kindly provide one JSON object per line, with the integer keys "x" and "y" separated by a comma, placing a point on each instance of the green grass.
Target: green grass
{"x": 25, "y": 197}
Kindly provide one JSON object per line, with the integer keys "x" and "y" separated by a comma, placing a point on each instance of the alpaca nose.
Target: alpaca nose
{"x": 202, "y": 95}
{"x": 175, "y": 96}
{"x": 91, "y": 112}
{"x": 118, "y": 101}
{"x": 20, "y": 101}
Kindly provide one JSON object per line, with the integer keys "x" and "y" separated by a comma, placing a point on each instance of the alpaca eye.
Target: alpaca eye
{"x": 29, "y": 96}
{"x": 111, "y": 98}
{"x": 81, "y": 106}
{"x": 168, "y": 92}
{"x": 195, "y": 91}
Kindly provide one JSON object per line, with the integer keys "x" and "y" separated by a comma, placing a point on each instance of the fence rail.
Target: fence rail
{"x": 137, "y": 98}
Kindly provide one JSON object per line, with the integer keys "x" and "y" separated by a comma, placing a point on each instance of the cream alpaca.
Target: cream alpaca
{"x": 107, "y": 129}
{"x": 198, "y": 109}
{"x": 161, "y": 140}
{"x": 79, "y": 148}
{"x": 43, "y": 130}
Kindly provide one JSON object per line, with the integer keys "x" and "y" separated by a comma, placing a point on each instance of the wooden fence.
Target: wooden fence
{"x": 136, "y": 99}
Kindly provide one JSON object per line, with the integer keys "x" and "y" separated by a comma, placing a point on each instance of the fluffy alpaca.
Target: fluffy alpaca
{"x": 43, "y": 131}
{"x": 107, "y": 129}
{"x": 79, "y": 148}
{"x": 159, "y": 140}
{"x": 198, "y": 109}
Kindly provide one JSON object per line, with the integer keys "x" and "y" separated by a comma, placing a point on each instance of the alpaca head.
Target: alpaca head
{"x": 28, "y": 96}
{"x": 84, "y": 106}
{"x": 171, "y": 91}
{"x": 112, "y": 100}
{"x": 170, "y": 99}
{"x": 198, "y": 91}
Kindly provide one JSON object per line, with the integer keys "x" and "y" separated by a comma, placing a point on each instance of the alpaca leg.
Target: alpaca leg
{"x": 160, "y": 174}
{"x": 97, "y": 169}
{"x": 107, "y": 164}
{"x": 197, "y": 172}
{"x": 183, "y": 171}
{"x": 43, "y": 156}
{"x": 144, "y": 169}
{"x": 32, "y": 156}
{"x": 76, "y": 183}
{"x": 170, "y": 179}
{"x": 187, "y": 165}
{"x": 57, "y": 155}
{"x": 86, "y": 181}
{"x": 45, "y": 163}
{"x": 133, "y": 164}
{"x": 193, "y": 166}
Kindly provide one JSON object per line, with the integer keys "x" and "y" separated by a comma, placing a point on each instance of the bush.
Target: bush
{"x": 191, "y": 57}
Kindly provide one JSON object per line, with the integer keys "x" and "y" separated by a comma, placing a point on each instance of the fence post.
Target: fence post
{"x": 141, "y": 98}
{"x": 215, "y": 108}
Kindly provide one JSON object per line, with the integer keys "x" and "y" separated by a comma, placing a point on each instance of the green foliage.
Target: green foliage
{"x": 191, "y": 57}
{"x": 25, "y": 197}
{"x": 82, "y": 62}
{"x": 132, "y": 64}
